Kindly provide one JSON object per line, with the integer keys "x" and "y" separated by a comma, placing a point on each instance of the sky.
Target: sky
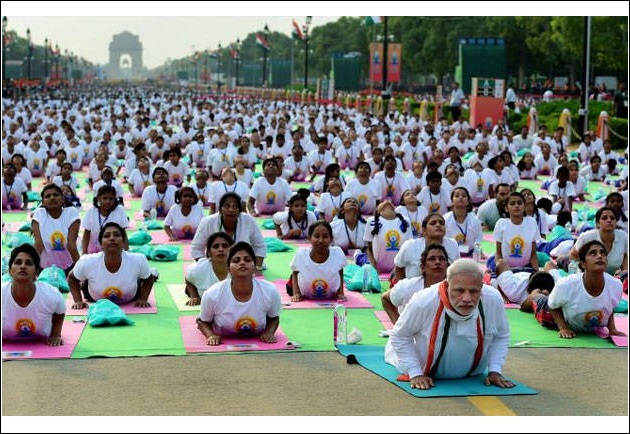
{"x": 176, "y": 29}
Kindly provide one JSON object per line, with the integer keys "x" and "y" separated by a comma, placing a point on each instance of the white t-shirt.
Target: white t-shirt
{"x": 434, "y": 202}
{"x": 329, "y": 205}
{"x": 391, "y": 188}
{"x": 12, "y": 195}
{"x": 516, "y": 240}
{"x": 565, "y": 192}
{"x": 176, "y": 174}
{"x": 219, "y": 188}
{"x": 117, "y": 186}
{"x": 388, "y": 241}
{"x": 617, "y": 252}
{"x": 281, "y": 218}
{"x": 246, "y": 177}
{"x": 139, "y": 181}
{"x": 54, "y": 233}
{"x": 365, "y": 194}
{"x": 514, "y": 285}
{"x": 342, "y": 234}
{"x": 34, "y": 320}
{"x": 184, "y": 227}
{"x": 466, "y": 234}
{"x": 304, "y": 165}
{"x": 201, "y": 275}
{"x": 246, "y": 230}
{"x": 201, "y": 192}
{"x": 416, "y": 217}
{"x": 72, "y": 183}
{"x": 582, "y": 311}
{"x": 478, "y": 184}
{"x": 119, "y": 287}
{"x": 409, "y": 255}
{"x": 404, "y": 289}
{"x": 162, "y": 202}
{"x": 318, "y": 281}
{"x": 270, "y": 198}
{"x": 94, "y": 221}
{"x": 231, "y": 317}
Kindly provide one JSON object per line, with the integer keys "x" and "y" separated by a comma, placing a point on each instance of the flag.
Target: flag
{"x": 234, "y": 53}
{"x": 373, "y": 20}
{"x": 262, "y": 42}
{"x": 297, "y": 33}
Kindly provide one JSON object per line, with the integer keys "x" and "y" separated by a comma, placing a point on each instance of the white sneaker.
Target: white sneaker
{"x": 354, "y": 336}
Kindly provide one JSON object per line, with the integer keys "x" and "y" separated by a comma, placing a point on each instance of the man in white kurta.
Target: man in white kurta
{"x": 472, "y": 317}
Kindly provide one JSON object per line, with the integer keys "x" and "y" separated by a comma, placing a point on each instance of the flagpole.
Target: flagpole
{"x": 384, "y": 93}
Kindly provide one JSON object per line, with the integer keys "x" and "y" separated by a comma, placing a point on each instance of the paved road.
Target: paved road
{"x": 570, "y": 382}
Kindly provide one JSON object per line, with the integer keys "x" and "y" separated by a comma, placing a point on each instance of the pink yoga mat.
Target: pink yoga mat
{"x": 621, "y": 322}
{"x": 195, "y": 341}
{"x": 271, "y": 233}
{"x": 71, "y": 333}
{"x": 384, "y": 319}
{"x": 354, "y": 300}
{"x": 489, "y": 237}
{"x": 187, "y": 252}
{"x": 128, "y": 308}
{"x": 512, "y": 306}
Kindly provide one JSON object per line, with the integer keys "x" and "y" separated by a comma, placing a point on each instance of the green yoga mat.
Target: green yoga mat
{"x": 313, "y": 328}
{"x": 528, "y": 333}
{"x": 372, "y": 359}
{"x": 152, "y": 335}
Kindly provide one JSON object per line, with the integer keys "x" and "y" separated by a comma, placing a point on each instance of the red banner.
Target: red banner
{"x": 394, "y": 61}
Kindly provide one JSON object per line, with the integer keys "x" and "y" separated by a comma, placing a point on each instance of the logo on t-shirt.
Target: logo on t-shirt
{"x": 362, "y": 199}
{"x": 25, "y": 327}
{"x": 245, "y": 325}
{"x": 36, "y": 164}
{"x": 12, "y": 198}
{"x": 319, "y": 287}
{"x": 187, "y": 231}
{"x": 517, "y": 244}
{"x": 74, "y": 158}
{"x": 392, "y": 240}
{"x": 480, "y": 183}
{"x": 593, "y": 319}
{"x": 434, "y": 207}
{"x": 113, "y": 294}
{"x": 176, "y": 179}
{"x": 160, "y": 207}
{"x": 271, "y": 197}
{"x": 460, "y": 238}
{"x": 389, "y": 191}
{"x": 58, "y": 241}
{"x": 415, "y": 228}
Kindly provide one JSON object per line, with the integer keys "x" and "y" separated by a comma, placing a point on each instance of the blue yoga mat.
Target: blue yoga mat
{"x": 372, "y": 358}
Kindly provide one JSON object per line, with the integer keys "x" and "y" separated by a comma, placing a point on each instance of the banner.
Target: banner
{"x": 394, "y": 62}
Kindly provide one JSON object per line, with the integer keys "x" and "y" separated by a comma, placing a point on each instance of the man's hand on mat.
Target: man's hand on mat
{"x": 268, "y": 337}
{"x": 341, "y": 297}
{"x": 566, "y": 333}
{"x": 214, "y": 340}
{"x": 421, "y": 382}
{"x": 194, "y": 301}
{"x": 80, "y": 305}
{"x": 54, "y": 341}
{"x": 615, "y": 332}
{"x": 497, "y": 379}
{"x": 172, "y": 238}
{"x": 297, "y": 297}
{"x": 143, "y": 303}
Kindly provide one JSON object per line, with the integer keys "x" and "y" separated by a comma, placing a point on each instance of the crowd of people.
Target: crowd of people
{"x": 407, "y": 197}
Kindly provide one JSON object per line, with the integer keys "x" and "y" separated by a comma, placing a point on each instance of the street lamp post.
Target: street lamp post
{"x": 265, "y": 49}
{"x": 305, "y": 28}
{"x": 30, "y": 53}
{"x": 237, "y": 58}
{"x": 56, "y": 62}
{"x": 45, "y": 61}
{"x": 5, "y": 47}
{"x": 219, "y": 68}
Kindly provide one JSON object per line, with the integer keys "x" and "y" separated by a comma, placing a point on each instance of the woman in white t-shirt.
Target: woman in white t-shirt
{"x": 349, "y": 227}
{"x": 410, "y": 208}
{"x": 536, "y": 213}
{"x": 30, "y": 309}
{"x": 227, "y": 184}
{"x": 207, "y": 271}
{"x": 159, "y": 196}
{"x": 106, "y": 209}
{"x": 462, "y": 224}
{"x": 364, "y": 189}
{"x": 584, "y": 302}
{"x": 115, "y": 274}
{"x": 56, "y": 229}
{"x": 240, "y": 306}
{"x": 318, "y": 270}
{"x": 385, "y": 233}
{"x": 294, "y": 223}
{"x": 433, "y": 265}
{"x": 516, "y": 236}
{"x": 183, "y": 218}
{"x": 14, "y": 191}
{"x": 330, "y": 200}
{"x": 140, "y": 177}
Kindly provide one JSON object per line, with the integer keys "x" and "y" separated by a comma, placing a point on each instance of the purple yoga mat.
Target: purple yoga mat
{"x": 384, "y": 319}
{"x": 128, "y": 308}
{"x": 70, "y": 333}
{"x": 621, "y": 322}
{"x": 354, "y": 300}
{"x": 195, "y": 341}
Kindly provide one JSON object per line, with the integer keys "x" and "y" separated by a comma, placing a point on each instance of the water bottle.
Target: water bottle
{"x": 573, "y": 268}
{"x": 477, "y": 252}
{"x": 153, "y": 214}
{"x": 340, "y": 324}
{"x": 366, "y": 281}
